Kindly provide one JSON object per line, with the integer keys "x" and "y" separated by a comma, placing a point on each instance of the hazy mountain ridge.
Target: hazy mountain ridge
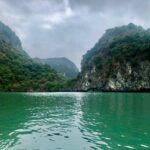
{"x": 64, "y": 67}
{"x": 120, "y": 61}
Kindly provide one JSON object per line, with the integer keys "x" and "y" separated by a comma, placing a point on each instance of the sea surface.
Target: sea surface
{"x": 74, "y": 121}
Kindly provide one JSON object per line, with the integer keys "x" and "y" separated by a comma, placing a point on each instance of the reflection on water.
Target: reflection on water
{"x": 74, "y": 121}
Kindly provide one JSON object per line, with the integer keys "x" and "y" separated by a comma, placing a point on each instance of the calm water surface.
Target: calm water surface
{"x": 74, "y": 121}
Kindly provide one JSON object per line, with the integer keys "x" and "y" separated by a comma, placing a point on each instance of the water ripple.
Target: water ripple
{"x": 74, "y": 121}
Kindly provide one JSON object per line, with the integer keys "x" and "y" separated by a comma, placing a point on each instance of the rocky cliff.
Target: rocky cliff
{"x": 120, "y": 61}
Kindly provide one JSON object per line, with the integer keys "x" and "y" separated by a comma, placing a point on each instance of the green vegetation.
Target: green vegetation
{"x": 126, "y": 43}
{"x": 18, "y": 72}
{"x": 120, "y": 61}
{"x": 114, "y": 63}
{"x": 65, "y": 68}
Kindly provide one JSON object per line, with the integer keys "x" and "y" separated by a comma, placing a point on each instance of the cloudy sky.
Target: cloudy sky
{"x": 68, "y": 28}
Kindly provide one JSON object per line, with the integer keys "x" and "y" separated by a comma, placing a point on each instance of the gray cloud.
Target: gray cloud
{"x": 55, "y": 28}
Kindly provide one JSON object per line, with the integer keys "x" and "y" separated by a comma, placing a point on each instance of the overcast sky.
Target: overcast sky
{"x": 68, "y": 28}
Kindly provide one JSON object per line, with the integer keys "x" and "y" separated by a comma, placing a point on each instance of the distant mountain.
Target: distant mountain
{"x": 64, "y": 67}
{"x": 120, "y": 61}
{"x": 18, "y": 71}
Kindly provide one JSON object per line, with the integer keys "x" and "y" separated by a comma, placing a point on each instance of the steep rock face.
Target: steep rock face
{"x": 120, "y": 61}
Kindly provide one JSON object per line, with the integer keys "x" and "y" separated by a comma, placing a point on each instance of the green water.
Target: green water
{"x": 74, "y": 121}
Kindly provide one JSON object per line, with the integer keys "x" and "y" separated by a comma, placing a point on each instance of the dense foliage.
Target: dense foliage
{"x": 126, "y": 43}
{"x": 120, "y": 61}
{"x": 18, "y": 72}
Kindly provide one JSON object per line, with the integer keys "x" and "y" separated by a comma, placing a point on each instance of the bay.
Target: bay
{"x": 74, "y": 121}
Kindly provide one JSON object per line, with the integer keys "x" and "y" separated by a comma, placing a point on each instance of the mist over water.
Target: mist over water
{"x": 74, "y": 121}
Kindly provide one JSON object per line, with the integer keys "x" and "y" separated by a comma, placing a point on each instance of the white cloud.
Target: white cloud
{"x": 55, "y": 18}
